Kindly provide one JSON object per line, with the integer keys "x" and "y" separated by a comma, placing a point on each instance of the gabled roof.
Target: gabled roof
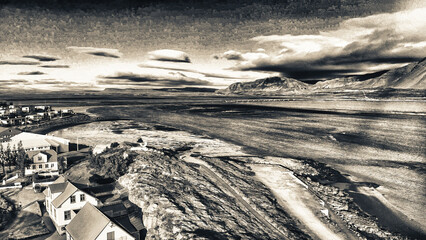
{"x": 52, "y": 156}
{"x": 70, "y": 189}
{"x": 87, "y": 224}
{"x": 57, "y": 187}
{"x": 60, "y": 179}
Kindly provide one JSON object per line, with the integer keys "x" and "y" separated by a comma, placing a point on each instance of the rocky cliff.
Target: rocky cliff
{"x": 182, "y": 200}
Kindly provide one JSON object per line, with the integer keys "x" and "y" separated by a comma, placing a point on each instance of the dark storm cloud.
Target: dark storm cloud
{"x": 42, "y": 58}
{"x": 18, "y": 63}
{"x": 54, "y": 66}
{"x": 269, "y": 6}
{"x": 359, "y": 45}
{"x": 304, "y": 71}
{"x": 32, "y": 73}
{"x": 174, "y": 80}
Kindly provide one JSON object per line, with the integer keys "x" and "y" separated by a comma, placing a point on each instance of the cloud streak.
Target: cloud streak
{"x": 42, "y": 58}
{"x": 32, "y": 73}
{"x": 359, "y": 45}
{"x": 54, "y": 66}
{"x": 18, "y": 62}
{"x": 100, "y": 52}
{"x": 171, "y": 79}
{"x": 168, "y": 55}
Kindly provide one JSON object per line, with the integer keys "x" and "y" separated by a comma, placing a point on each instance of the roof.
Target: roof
{"x": 57, "y": 187}
{"x": 135, "y": 218}
{"x": 52, "y": 156}
{"x": 124, "y": 222}
{"x": 69, "y": 190}
{"x": 31, "y": 140}
{"x": 52, "y": 142}
{"x": 8, "y": 132}
{"x": 60, "y": 179}
{"x": 88, "y": 223}
{"x": 113, "y": 210}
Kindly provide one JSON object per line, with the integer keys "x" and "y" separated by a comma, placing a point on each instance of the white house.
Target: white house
{"x": 91, "y": 224}
{"x": 63, "y": 202}
{"x": 25, "y": 109}
{"x": 42, "y": 161}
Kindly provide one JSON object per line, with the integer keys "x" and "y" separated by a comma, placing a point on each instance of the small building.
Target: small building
{"x": 64, "y": 200}
{"x": 91, "y": 224}
{"x": 7, "y": 133}
{"x": 41, "y": 108}
{"x": 25, "y": 109}
{"x": 42, "y": 161}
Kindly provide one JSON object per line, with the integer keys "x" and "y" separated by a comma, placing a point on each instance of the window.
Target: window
{"x": 52, "y": 165}
{"x": 46, "y": 165}
{"x": 67, "y": 215}
{"x": 110, "y": 236}
{"x": 72, "y": 199}
{"x": 40, "y": 158}
{"x": 82, "y": 197}
{"x": 34, "y": 166}
{"x": 40, "y": 166}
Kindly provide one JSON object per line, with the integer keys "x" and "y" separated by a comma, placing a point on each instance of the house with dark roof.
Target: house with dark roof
{"x": 92, "y": 224}
{"x": 64, "y": 200}
{"x": 7, "y": 133}
{"x": 42, "y": 161}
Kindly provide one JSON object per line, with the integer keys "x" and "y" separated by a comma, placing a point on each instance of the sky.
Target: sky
{"x": 93, "y": 45}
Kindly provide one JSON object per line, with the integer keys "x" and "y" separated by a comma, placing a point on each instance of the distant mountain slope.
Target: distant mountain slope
{"x": 265, "y": 85}
{"x": 411, "y": 76}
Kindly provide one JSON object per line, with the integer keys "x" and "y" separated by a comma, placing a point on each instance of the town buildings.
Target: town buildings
{"x": 91, "y": 224}
{"x": 77, "y": 211}
{"x": 12, "y": 115}
{"x": 63, "y": 201}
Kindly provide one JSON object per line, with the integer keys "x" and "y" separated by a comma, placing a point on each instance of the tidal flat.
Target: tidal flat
{"x": 385, "y": 150}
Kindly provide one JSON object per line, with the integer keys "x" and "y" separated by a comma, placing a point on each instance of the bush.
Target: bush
{"x": 113, "y": 163}
{"x": 7, "y": 210}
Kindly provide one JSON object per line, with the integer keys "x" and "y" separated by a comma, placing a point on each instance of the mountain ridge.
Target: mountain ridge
{"x": 410, "y": 76}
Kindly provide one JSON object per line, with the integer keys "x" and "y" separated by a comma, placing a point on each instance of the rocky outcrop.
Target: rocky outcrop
{"x": 180, "y": 201}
